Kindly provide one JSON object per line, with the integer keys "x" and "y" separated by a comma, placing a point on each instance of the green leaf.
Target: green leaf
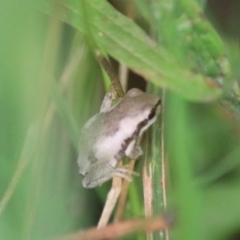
{"x": 121, "y": 38}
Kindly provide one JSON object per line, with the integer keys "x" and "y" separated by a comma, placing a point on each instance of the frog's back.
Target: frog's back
{"x": 106, "y": 136}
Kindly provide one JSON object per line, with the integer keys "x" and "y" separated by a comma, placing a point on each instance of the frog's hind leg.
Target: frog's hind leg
{"x": 104, "y": 171}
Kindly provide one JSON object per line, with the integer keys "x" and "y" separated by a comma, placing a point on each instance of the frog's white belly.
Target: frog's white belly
{"x": 108, "y": 147}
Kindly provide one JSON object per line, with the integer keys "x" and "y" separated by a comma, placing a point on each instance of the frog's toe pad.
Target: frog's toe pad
{"x": 125, "y": 173}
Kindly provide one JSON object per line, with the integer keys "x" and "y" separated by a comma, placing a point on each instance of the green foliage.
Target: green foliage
{"x": 122, "y": 39}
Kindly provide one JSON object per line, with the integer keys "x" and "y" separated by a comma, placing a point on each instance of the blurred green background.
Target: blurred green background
{"x": 50, "y": 84}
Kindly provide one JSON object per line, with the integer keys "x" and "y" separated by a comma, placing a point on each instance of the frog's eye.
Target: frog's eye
{"x": 153, "y": 111}
{"x": 151, "y": 114}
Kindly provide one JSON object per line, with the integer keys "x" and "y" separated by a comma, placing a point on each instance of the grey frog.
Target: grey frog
{"x": 112, "y": 134}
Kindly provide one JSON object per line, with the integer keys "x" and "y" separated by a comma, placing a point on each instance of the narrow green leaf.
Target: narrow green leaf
{"x": 188, "y": 198}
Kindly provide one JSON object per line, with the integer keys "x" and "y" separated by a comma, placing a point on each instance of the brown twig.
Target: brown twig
{"x": 123, "y": 195}
{"x": 116, "y": 85}
{"x": 123, "y": 75}
{"x": 111, "y": 201}
{"x": 120, "y": 229}
{"x": 125, "y": 186}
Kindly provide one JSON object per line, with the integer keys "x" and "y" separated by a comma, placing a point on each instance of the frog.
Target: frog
{"x": 112, "y": 134}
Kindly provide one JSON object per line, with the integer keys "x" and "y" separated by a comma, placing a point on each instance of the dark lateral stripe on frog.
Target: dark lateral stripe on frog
{"x": 136, "y": 133}
{"x": 145, "y": 122}
{"x": 153, "y": 112}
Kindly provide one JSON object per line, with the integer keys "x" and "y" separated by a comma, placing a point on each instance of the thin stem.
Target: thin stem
{"x": 121, "y": 229}
{"x": 116, "y": 85}
{"x": 123, "y": 75}
{"x": 163, "y": 163}
{"x": 124, "y": 192}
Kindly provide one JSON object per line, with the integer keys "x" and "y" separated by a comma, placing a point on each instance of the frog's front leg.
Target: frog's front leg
{"x": 107, "y": 102}
{"x": 133, "y": 150}
{"x": 102, "y": 172}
